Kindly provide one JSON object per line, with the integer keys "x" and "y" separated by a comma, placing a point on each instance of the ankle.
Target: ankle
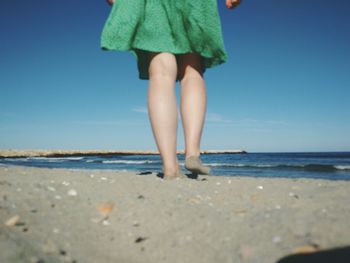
{"x": 170, "y": 169}
{"x": 190, "y": 154}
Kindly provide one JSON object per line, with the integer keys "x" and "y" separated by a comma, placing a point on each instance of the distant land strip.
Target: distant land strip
{"x": 67, "y": 153}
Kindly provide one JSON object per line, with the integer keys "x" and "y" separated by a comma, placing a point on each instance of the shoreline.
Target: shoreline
{"x": 77, "y": 215}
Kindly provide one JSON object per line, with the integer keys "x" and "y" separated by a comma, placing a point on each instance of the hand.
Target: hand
{"x": 230, "y": 4}
{"x": 110, "y": 2}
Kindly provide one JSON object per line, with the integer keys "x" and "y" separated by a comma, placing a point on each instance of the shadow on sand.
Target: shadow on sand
{"x": 193, "y": 176}
{"x": 337, "y": 255}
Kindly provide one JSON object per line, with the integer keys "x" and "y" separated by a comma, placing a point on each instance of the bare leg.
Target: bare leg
{"x": 162, "y": 107}
{"x": 193, "y": 101}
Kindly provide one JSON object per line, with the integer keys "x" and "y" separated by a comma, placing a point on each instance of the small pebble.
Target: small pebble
{"x": 291, "y": 194}
{"x": 105, "y": 222}
{"x": 72, "y": 192}
{"x": 65, "y": 183}
{"x": 218, "y": 183}
{"x": 104, "y": 178}
{"x": 276, "y": 239}
{"x": 140, "y": 239}
{"x": 58, "y": 197}
{"x": 194, "y": 200}
{"x": 51, "y": 188}
{"x": 229, "y": 181}
{"x": 260, "y": 187}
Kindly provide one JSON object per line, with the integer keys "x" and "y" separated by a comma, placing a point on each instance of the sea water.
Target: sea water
{"x": 327, "y": 165}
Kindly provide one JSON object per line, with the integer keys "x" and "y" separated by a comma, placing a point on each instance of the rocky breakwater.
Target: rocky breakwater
{"x": 67, "y": 153}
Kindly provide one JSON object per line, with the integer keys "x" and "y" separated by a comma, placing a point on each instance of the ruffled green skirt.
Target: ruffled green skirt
{"x": 176, "y": 26}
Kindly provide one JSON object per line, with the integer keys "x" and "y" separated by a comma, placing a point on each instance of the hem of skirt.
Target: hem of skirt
{"x": 132, "y": 49}
{"x": 218, "y": 60}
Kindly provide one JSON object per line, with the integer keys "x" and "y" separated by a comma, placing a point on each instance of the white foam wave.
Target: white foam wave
{"x": 127, "y": 161}
{"x": 59, "y": 159}
{"x": 16, "y": 159}
{"x": 239, "y": 165}
{"x": 342, "y": 167}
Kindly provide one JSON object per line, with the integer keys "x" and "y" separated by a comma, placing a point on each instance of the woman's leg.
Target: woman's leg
{"x": 193, "y": 101}
{"x": 162, "y": 107}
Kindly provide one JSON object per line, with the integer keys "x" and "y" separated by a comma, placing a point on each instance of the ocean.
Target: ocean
{"x": 326, "y": 165}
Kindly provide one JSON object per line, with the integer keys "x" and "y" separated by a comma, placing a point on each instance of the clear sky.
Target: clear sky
{"x": 285, "y": 86}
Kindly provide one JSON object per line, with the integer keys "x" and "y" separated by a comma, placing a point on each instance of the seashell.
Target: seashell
{"x": 306, "y": 249}
{"x": 12, "y": 221}
{"x": 105, "y": 208}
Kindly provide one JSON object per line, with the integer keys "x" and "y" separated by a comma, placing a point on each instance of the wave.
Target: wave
{"x": 239, "y": 165}
{"x": 56, "y": 158}
{"x": 306, "y": 167}
{"x": 310, "y": 167}
{"x": 128, "y": 161}
{"x": 43, "y": 159}
{"x": 16, "y": 159}
{"x": 342, "y": 167}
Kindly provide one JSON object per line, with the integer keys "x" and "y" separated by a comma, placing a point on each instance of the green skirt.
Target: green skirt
{"x": 175, "y": 26}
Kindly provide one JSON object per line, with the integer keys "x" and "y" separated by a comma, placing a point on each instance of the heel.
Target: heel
{"x": 177, "y": 174}
{"x": 195, "y": 165}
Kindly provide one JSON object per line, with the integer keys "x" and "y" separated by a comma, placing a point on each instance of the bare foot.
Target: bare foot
{"x": 195, "y": 165}
{"x": 177, "y": 174}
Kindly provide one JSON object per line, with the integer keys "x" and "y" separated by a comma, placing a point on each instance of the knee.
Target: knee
{"x": 163, "y": 65}
{"x": 190, "y": 73}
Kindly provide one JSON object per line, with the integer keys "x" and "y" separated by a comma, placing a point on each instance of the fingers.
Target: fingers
{"x": 230, "y": 4}
{"x": 110, "y": 2}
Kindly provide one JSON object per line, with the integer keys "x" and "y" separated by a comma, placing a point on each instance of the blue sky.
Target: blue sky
{"x": 285, "y": 86}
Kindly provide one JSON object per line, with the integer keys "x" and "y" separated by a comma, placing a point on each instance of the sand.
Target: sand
{"x": 65, "y": 215}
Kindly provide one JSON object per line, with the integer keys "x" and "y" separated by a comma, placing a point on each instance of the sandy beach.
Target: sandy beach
{"x": 65, "y": 215}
